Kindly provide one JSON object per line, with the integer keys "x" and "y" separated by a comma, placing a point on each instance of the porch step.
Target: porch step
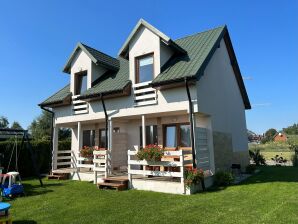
{"x": 58, "y": 176}
{"x": 114, "y": 183}
{"x": 115, "y": 180}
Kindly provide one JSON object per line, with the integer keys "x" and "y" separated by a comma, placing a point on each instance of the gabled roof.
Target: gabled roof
{"x": 200, "y": 48}
{"x": 111, "y": 82}
{"x": 167, "y": 40}
{"x": 99, "y": 58}
{"x": 59, "y": 97}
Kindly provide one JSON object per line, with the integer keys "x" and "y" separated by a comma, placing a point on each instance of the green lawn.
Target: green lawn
{"x": 268, "y": 197}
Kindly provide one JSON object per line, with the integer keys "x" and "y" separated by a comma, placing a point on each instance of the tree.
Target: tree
{"x": 40, "y": 128}
{"x": 3, "y": 122}
{"x": 291, "y": 130}
{"x": 16, "y": 125}
{"x": 269, "y": 134}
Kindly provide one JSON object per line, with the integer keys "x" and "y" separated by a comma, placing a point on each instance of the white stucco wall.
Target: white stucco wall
{"x": 96, "y": 72}
{"x": 81, "y": 62}
{"x": 145, "y": 42}
{"x": 219, "y": 96}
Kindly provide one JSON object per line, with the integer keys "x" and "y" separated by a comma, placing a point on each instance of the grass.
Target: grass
{"x": 268, "y": 197}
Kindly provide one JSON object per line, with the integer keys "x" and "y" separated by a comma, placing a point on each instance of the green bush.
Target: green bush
{"x": 295, "y": 159}
{"x": 257, "y": 157}
{"x": 223, "y": 178}
{"x": 251, "y": 168}
{"x": 43, "y": 153}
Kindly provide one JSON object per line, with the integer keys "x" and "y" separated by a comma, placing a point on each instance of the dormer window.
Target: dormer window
{"x": 80, "y": 82}
{"x": 144, "y": 68}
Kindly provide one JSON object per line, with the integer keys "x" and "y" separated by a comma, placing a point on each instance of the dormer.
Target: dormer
{"x": 86, "y": 65}
{"x": 147, "y": 50}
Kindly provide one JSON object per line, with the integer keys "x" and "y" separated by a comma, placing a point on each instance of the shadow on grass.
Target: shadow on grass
{"x": 24, "y": 221}
{"x": 267, "y": 174}
{"x": 32, "y": 190}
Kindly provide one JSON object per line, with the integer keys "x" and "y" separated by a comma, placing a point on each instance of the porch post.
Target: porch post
{"x": 79, "y": 141}
{"x": 110, "y": 145}
{"x": 143, "y": 131}
{"x": 55, "y": 147}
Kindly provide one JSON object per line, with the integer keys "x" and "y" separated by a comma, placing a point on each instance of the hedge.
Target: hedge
{"x": 43, "y": 155}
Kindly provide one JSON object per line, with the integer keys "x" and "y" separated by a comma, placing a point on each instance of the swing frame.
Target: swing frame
{"x": 25, "y": 143}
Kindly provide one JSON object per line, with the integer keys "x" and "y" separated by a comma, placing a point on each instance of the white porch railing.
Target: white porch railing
{"x": 79, "y": 106}
{"x": 81, "y": 162}
{"x": 144, "y": 94}
{"x": 100, "y": 163}
{"x": 133, "y": 169}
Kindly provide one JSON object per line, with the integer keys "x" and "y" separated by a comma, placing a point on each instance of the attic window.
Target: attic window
{"x": 80, "y": 82}
{"x": 144, "y": 68}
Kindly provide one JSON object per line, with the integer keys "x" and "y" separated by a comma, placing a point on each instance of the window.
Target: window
{"x": 171, "y": 136}
{"x": 80, "y": 82}
{"x": 102, "y": 138}
{"x": 151, "y": 135}
{"x": 144, "y": 68}
{"x": 88, "y": 138}
{"x": 177, "y": 135}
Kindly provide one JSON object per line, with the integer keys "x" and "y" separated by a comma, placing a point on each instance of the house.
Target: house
{"x": 186, "y": 95}
{"x": 280, "y": 137}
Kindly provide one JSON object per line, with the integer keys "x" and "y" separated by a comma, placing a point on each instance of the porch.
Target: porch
{"x": 125, "y": 136}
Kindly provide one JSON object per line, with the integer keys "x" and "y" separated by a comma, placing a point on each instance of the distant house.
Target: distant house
{"x": 280, "y": 137}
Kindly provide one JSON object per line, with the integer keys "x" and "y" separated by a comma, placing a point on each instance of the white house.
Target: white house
{"x": 186, "y": 95}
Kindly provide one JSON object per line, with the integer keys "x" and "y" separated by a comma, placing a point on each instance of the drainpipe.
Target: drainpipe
{"x": 191, "y": 125}
{"x": 106, "y": 121}
{"x": 52, "y": 125}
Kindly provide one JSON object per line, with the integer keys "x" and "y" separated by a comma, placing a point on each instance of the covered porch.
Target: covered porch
{"x": 123, "y": 138}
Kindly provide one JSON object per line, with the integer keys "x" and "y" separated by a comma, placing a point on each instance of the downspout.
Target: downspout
{"x": 52, "y": 125}
{"x": 191, "y": 125}
{"x": 106, "y": 121}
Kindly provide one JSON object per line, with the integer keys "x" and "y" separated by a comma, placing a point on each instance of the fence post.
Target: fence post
{"x": 128, "y": 170}
{"x": 182, "y": 171}
{"x": 94, "y": 168}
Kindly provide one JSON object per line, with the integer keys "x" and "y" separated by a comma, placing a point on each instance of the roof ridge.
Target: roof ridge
{"x": 194, "y": 34}
{"x": 85, "y": 45}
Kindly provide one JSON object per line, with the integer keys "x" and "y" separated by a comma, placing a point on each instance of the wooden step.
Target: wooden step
{"x": 116, "y": 186}
{"x": 115, "y": 180}
{"x": 58, "y": 176}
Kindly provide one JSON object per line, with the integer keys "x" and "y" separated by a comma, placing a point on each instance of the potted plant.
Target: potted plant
{"x": 192, "y": 178}
{"x": 152, "y": 153}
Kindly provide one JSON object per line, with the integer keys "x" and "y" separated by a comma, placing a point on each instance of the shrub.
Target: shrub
{"x": 193, "y": 176}
{"x": 250, "y": 168}
{"x": 257, "y": 157}
{"x": 295, "y": 159}
{"x": 150, "y": 153}
{"x": 43, "y": 153}
{"x": 223, "y": 178}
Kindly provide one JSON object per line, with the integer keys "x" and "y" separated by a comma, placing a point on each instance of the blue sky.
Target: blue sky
{"x": 37, "y": 37}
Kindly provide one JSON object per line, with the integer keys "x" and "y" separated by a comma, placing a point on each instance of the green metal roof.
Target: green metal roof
{"x": 96, "y": 56}
{"x": 110, "y": 82}
{"x": 58, "y": 97}
{"x": 199, "y": 49}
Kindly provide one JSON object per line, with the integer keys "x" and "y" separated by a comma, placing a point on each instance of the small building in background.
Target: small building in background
{"x": 280, "y": 137}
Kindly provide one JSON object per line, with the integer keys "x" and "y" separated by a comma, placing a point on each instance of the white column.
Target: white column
{"x": 143, "y": 131}
{"x": 55, "y": 147}
{"x": 79, "y": 136}
{"x": 110, "y": 145}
